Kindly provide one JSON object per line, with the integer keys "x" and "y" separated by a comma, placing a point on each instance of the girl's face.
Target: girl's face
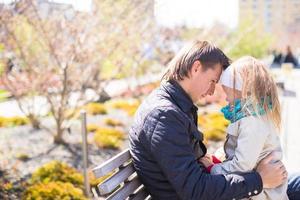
{"x": 231, "y": 94}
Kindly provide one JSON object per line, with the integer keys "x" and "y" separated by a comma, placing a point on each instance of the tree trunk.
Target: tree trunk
{"x": 58, "y": 138}
{"x": 35, "y": 123}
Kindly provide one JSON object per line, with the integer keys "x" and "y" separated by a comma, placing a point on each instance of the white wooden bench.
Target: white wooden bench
{"x": 123, "y": 183}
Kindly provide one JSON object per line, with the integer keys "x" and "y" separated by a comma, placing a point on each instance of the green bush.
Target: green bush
{"x": 113, "y": 122}
{"x": 57, "y": 171}
{"x": 19, "y": 121}
{"x": 92, "y": 128}
{"x": 110, "y": 132}
{"x": 95, "y": 181}
{"x": 95, "y": 109}
{"x": 53, "y": 190}
{"x": 129, "y": 106}
{"x": 5, "y": 187}
{"x": 106, "y": 141}
{"x": 108, "y": 138}
{"x": 213, "y": 126}
{"x": 22, "y": 157}
{"x": 13, "y": 121}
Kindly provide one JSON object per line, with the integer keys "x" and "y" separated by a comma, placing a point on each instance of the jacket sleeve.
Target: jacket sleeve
{"x": 170, "y": 147}
{"x": 250, "y": 143}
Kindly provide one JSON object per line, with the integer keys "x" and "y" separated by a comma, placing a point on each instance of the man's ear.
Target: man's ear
{"x": 196, "y": 67}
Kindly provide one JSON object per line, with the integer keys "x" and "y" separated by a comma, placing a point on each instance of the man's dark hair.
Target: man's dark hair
{"x": 209, "y": 55}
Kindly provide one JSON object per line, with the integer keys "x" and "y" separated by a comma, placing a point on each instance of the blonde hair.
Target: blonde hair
{"x": 259, "y": 86}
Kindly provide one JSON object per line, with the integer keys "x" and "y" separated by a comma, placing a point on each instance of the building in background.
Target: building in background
{"x": 281, "y": 18}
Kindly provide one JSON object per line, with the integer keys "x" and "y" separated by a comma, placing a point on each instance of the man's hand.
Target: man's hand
{"x": 206, "y": 161}
{"x": 272, "y": 174}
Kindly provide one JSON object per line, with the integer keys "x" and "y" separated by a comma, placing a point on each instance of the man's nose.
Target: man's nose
{"x": 211, "y": 91}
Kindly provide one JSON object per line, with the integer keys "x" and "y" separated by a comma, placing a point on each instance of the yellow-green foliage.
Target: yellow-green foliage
{"x": 108, "y": 138}
{"x": 92, "y": 128}
{"x": 106, "y": 141}
{"x": 95, "y": 181}
{"x": 95, "y": 109}
{"x": 13, "y": 121}
{"x": 113, "y": 122}
{"x": 128, "y": 106}
{"x": 111, "y": 132}
{"x": 213, "y": 126}
{"x": 57, "y": 171}
{"x": 53, "y": 190}
{"x": 252, "y": 41}
{"x": 22, "y": 156}
{"x": 5, "y": 186}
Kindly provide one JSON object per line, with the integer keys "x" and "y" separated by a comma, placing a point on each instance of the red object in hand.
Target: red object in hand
{"x": 215, "y": 161}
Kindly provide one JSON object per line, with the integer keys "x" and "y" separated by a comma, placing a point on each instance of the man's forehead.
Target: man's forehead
{"x": 219, "y": 73}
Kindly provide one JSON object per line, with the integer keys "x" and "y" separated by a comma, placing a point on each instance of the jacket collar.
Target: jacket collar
{"x": 181, "y": 98}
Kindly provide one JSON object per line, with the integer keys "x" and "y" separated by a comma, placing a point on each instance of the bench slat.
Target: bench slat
{"x": 126, "y": 190}
{"x": 94, "y": 192}
{"x": 112, "y": 164}
{"x": 112, "y": 182}
{"x": 141, "y": 194}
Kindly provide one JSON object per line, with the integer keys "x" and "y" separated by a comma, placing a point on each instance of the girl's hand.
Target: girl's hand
{"x": 206, "y": 161}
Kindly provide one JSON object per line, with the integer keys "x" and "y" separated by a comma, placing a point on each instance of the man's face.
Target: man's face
{"x": 204, "y": 81}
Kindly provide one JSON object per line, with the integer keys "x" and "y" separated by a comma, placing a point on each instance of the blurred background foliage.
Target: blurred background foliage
{"x": 56, "y": 61}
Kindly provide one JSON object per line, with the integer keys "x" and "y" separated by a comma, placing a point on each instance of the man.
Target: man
{"x": 165, "y": 143}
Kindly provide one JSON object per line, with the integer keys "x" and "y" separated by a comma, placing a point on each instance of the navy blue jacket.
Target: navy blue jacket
{"x": 165, "y": 144}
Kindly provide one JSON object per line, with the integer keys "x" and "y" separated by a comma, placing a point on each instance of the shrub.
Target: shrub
{"x": 92, "y": 128}
{"x": 95, "y": 181}
{"x": 18, "y": 121}
{"x": 110, "y": 132}
{"x": 22, "y": 156}
{"x": 129, "y": 106}
{"x": 57, "y": 171}
{"x": 9, "y": 189}
{"x": 106, "y": 141}
{"x": 108, "y": 138}
{"x": 213, "y": 126}
{"x": 214, "y": 134}
{"x": 95, "y": 109}
{"x": 13, "y": 121}
{"x": 53, "y": 190}
{"x": 113, "y": 122}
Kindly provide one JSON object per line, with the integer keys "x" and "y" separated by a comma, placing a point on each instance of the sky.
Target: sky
{"x": 194, "y": 13}
{"x": 80, "y": 5}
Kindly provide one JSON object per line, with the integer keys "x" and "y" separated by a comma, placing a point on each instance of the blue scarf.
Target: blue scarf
{"x": 237, "y": 112}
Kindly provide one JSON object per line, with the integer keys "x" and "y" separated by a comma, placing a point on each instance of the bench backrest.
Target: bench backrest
{"x": 123, "y": 183}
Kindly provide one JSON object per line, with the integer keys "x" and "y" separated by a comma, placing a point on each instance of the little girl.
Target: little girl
{"x": 254, "y": 113}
